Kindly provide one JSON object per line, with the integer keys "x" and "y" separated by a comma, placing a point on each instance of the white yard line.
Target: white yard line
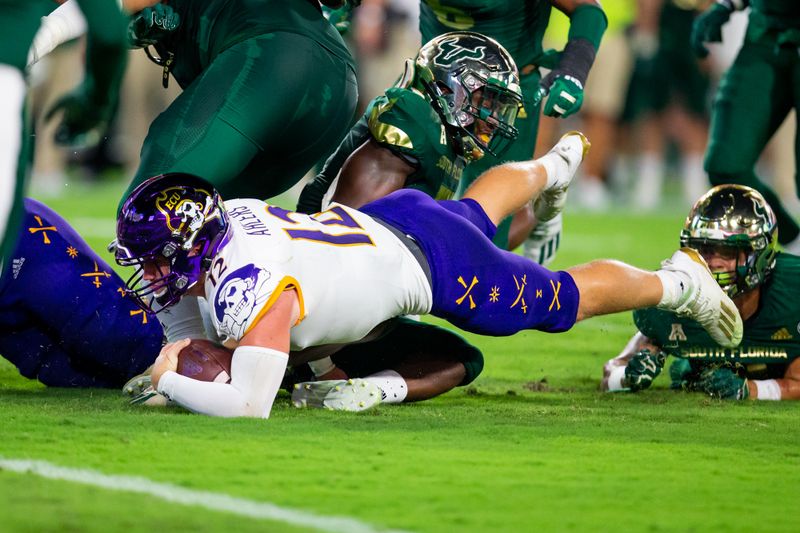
{"x": 172, "y": 493}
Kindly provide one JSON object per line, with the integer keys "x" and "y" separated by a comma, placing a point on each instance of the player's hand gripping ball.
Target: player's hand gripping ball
{"x": 204, "y": 360}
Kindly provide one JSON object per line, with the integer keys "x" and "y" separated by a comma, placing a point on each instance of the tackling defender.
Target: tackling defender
{"x": 519, "y": 25}
{"x": 734, "y": 228}
{"x": 456, "y": 102}
{"x": 279, "y": 280}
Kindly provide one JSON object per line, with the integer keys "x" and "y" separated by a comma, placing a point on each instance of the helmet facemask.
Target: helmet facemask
{"x": 734, "y": 221}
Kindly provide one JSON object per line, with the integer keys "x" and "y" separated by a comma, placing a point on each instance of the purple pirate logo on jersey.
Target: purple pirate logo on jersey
{"x": 238, "y": 296}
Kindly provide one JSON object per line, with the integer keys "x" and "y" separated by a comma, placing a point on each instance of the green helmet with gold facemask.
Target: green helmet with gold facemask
{"x": 732, "y": 219}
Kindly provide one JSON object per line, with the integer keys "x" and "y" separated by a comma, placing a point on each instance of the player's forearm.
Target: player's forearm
{"x": 256, "y": 375}
{"x": 64, "y": 24}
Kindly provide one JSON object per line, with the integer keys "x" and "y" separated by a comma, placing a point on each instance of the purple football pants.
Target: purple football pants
{"x": 476, "y": 286}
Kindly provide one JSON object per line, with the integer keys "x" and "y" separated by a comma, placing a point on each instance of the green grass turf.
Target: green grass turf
{"x": 495, "y": 456}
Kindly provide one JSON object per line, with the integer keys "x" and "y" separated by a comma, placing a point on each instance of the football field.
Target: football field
{"x": 531, "y": 445}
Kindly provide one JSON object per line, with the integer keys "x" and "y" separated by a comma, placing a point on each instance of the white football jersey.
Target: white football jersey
{"x": 350, "y": 273}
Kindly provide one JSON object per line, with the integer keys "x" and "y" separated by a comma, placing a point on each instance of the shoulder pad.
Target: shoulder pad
{"x": 404, "y": 119}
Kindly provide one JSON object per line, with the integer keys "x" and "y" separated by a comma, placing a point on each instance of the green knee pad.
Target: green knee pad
{"x": 472, "y": 359}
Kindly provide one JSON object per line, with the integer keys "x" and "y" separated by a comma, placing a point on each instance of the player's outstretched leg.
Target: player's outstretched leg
{"x": 703, "y": 300}
{"x": 506, "y": 188}
{"x": 684, "y": 285}
{"x": 339, "y": 395}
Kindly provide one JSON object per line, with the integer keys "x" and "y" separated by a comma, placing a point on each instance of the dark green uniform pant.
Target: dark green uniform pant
{"x": 257, "y": 119}
{"x": 754, "y": 97}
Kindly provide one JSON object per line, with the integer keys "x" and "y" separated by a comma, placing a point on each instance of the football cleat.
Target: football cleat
{"x": 542, "y": 243}
{"x": 566, "y": 156}
{"x": 136, "y": 385}
{"x": 149, "y": 397}
{"x": 337, "y": 395}
{"x": 703, "y": 300}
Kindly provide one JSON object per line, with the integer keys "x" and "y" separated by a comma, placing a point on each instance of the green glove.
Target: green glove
{"x": 707, "y": 28}
{"x": 565, "y": 94}
{"x": 642, "y": 369}
{"x": 84, "y": 118}
{"x": 680, "y": 372}
{"x": 152, "y": 24}
{"x": 723, "y": 383}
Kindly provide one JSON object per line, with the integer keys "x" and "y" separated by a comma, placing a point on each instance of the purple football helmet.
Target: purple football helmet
{"x": 176, "y": 219}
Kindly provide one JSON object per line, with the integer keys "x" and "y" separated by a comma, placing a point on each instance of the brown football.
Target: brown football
{"x": 204, "y": 360}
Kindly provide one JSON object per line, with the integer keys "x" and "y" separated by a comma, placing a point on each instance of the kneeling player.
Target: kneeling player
{"x": 278, "y": 280}
{"x": 735, "y": 230}
{"x": 64, "y": 315}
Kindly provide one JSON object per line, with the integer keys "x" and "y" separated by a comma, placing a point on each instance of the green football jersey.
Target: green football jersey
{"x": 771, "y": 335}
{"x": 403, "y": 121}
{"x": 518, "y": 25}
{"x": 209, "y": 27}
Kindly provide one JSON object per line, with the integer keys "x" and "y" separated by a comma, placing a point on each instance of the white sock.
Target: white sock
{"x": 647, "y": 189}
{"x": 392, "y": 384}
{"x": 550, "y": 163}
{"x": 676, "y": 288}
{"x": 695, "y": 182}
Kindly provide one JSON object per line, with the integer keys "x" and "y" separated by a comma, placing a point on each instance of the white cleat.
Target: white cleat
{"x": 563, "y": 161}
{"x": 542, "y": 243}
{"x": 337, "y": 395}
{"x": 704, "y": 300}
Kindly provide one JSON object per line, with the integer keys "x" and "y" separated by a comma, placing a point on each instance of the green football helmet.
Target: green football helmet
{"x": 473, "y": 84}
{"x": 735, "y": 217}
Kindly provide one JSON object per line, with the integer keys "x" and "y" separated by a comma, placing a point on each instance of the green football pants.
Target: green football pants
{"x": 753, "y": 99}
{"x": 257, "y": 119}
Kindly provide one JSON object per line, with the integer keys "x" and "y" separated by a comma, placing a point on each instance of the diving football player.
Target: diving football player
{"x": 279, "y": 280}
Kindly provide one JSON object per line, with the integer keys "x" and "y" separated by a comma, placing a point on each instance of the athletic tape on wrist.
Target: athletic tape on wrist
{"x": 615, "y": 379}
{"x": 322, "y": 366}
{"x": 767, "y": 389}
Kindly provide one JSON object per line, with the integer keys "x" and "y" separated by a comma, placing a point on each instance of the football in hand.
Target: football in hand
{"x": 204, "y": 360}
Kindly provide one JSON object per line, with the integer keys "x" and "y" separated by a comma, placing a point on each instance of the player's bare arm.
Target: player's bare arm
{"x": 371, "y": 172}
{"x": 786, "y": 388}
